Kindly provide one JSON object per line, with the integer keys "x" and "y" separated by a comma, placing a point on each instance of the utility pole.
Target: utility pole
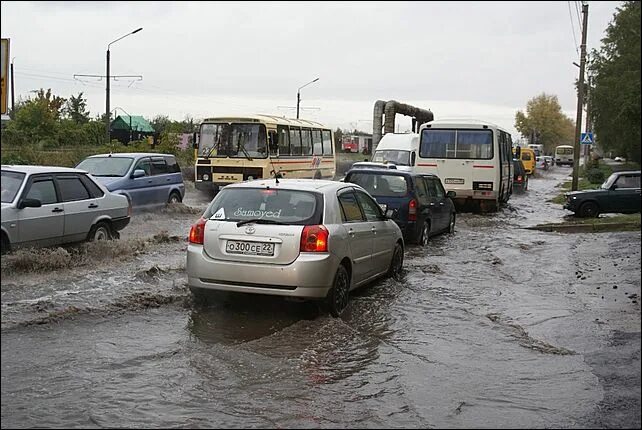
{"x": 13, "y": 92}
{"x": 580, "y": 100}
{"x": 589, "y": 122}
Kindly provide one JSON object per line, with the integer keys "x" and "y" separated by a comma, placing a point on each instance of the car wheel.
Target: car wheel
{"x": 451, "y": 223}
{"x": 174, "y": 197}
{"x": 397, "y": 261}
{"x": 4, "y": 245}
{"x": 589, "y": 210}
{"x": 340, "y": 292}
{"x": 100, "y": 231}
{"x": 424, "y": 234}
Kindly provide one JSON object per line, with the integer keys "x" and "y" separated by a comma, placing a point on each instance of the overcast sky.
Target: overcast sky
{"x": 480, "y": 60}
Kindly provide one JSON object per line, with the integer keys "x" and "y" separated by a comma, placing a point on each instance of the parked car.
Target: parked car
{"x": 311, "y": 239}
{"x": 44, "y": 206}
{"x": 620, "y": 193}
{"x": 520, "y": 178}
{"x": 619, "y": 159}
{"x": 550, "y": 160}
{"x": 540, "y": 163}
{"x": 422, "y": 208}
{"x": 145, "y": 178}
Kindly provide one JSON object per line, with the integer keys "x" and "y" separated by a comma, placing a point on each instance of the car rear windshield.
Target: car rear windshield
{"x": 11, "y": 182}
{"x": 380, "y": 185}
{"x": 106, "y": 166}
{"x": 269, "y": 204}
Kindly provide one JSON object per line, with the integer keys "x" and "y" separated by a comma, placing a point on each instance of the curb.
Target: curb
{"x": 587, "y": 228}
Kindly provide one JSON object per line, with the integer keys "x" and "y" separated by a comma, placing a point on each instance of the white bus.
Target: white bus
{"x": 235, "y": 149}
{"x": 472, "y": 158}
{"x": 564, "y": 155}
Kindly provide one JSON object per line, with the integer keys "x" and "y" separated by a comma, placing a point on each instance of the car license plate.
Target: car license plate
{"x": 249, "y": 248}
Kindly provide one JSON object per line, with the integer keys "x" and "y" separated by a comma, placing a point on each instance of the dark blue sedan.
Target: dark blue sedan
{"x": 422, "y": 208}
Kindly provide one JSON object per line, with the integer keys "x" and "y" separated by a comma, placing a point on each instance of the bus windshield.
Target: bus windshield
{"x": 233, "y": 140}
{"x": 467, "y": 143}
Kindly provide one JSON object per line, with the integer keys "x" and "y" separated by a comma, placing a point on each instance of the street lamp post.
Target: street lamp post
{"x": 298, "y": 96}
{"x": 107, "y": 110}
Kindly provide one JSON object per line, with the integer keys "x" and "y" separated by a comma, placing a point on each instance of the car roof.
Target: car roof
{"x": 384, "y": 171}
{"x": 32, "y": 170}
{"x": 317, "y": 185}
{"x": 131, "y": 154}
{"x": 628, "y": 172}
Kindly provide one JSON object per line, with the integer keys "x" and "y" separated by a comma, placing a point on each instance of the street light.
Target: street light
{"x": 107, "y": 110}
{"x": 298, "y": 96}
{"x": 130, "y": 121}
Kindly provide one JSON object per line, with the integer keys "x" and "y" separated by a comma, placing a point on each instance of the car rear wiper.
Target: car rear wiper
{"x": 259, "y": 221}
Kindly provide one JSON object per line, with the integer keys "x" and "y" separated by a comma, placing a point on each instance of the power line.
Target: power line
{"x": 570, "y": 14}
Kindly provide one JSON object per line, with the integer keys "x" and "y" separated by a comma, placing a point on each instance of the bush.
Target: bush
{"x": 595, "y": 176}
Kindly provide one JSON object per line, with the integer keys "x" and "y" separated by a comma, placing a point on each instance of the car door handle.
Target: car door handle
{"x": 441, "y": 203}
{"x": 374, "y": 230}
{"x": 168, "y": 179}
{"x": 432, "y": 204}
{"x": 351, "y": 232}
{"x": 92, "y": 206}
{"x": 57, "y": 210}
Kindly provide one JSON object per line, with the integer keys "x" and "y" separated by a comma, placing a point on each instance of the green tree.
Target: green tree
{"x": 615, "y": 96}
{"x": 76, "y": 109}
{"x": 338, "y": 137}
{"x": 545, "y": 120}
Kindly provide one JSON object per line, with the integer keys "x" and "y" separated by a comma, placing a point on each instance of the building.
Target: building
{"x": 126, "y": 128}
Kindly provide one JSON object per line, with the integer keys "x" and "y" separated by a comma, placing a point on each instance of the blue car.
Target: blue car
{"x": 420, "y": 205}
{"x": 146, "y": 179}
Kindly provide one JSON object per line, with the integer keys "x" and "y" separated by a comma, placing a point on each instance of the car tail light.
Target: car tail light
{"x": 197, "y": 232}
{"x": 412, "y": 210}
{"x": 519, "y": 178}
{"x": 314, "y": 238}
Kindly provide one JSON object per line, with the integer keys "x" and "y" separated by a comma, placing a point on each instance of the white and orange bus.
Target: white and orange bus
{"x": 235, "y": 149}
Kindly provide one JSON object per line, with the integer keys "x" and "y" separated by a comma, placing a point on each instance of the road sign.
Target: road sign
{"x": 4, "y": 68}
{"x": 586, "y": 139}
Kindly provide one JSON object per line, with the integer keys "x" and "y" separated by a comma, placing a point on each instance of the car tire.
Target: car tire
{"x": 396, "y": 264}
{"x": 451, "y": 223}
{"x": 338, "y": 296}
{"x": 423, "y": 236}
{"x": 174, "y": 197}
{"x": 101, "y": 231}
{"x": 4, "y": 244}
{"x": 589, "y": 210}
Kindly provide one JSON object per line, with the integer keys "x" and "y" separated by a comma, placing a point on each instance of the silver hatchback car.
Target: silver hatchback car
{"x": 311, "y": 239}
{"x": 43, "y": 206}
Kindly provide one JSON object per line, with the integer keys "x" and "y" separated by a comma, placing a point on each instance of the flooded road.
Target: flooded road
{"x": 495, "y": 326}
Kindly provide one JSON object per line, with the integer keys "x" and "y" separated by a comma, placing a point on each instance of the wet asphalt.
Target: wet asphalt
{"x": 495, "y": 326}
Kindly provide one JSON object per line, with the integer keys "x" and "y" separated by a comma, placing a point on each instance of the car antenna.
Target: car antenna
{"x": 276, "y": 174}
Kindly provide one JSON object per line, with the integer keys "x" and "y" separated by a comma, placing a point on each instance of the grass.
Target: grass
{"x": 618, "y": 219}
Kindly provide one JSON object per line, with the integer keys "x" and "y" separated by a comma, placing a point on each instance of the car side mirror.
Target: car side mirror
{"x": 451, "y": 194}
{"x": 138, "y": 173}
{"x": 413, "y": 157}
{"x": 29, "y": 203}
{"x": 390, "y": 213}
{"x": 194, "y": 141}
{"x": 518, "y": 152}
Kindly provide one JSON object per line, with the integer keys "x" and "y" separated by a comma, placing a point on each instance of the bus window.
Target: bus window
{"x": 327, "y": 142}
{"x": 248, "y": 140}
{"x": 283, "y": 139}
{"x": 317, "y": 143}
{"x": 295, "y": 141}
{"x": 306, "y": 142}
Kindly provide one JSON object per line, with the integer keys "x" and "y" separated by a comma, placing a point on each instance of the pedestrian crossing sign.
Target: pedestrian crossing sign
{"x": 586, "y": 139}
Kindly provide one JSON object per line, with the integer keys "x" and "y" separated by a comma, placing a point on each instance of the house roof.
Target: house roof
{"x": 138, "y": 123}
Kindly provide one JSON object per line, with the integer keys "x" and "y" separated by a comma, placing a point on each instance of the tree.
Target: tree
{"x": 76, "y": 109}
{"x": 338, "y": 137}
{"x": 545, "y": 123}
{"x": 615, "y": 96}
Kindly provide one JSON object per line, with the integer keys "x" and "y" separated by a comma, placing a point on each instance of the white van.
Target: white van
{"x": 398, "y": 148}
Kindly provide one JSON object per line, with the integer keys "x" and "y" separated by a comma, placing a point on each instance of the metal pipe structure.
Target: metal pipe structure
{"x": 390, "y": 109}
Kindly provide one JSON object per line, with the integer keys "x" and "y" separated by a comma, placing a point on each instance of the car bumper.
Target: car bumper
{"x": 120, "y": 223}
{"x": 310, "y": 276}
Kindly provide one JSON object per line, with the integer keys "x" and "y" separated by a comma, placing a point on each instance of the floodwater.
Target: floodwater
{"x": 495, "y": 326}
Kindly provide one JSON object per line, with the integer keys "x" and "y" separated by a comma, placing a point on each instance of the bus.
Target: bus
{"x": 235, "y": 149}
{"x": 473, "y": 158}
{"x": 564, "y": 155}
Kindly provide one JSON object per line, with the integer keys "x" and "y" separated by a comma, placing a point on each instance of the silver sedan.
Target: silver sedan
{"x": 311, "y": 239}
{"x": 44, "y": 206}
